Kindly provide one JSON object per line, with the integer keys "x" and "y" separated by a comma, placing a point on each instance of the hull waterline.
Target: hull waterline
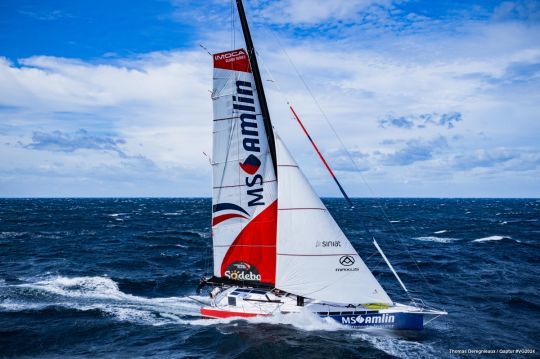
{"x": 248, "y": 303}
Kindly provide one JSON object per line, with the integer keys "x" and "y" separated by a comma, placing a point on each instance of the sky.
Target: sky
{"x": 404, "y": 98}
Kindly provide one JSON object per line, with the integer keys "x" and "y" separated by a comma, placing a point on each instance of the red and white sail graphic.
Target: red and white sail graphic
{"x": 244, "y": 199}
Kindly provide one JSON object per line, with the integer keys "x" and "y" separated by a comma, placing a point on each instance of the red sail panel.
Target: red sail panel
{"x": 236, "y": 60}
{"x": 252, "y": 256}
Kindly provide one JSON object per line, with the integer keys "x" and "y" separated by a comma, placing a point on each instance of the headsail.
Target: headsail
{"x": 314, "y": 258}
{"x": 244, "y": 181}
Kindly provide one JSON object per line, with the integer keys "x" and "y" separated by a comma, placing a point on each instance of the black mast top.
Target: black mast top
{"x": 258, "y": 83}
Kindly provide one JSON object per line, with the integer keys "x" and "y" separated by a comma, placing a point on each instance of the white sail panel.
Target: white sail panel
{"x": 314, "y": 258}
{"x": 244, "y": 183}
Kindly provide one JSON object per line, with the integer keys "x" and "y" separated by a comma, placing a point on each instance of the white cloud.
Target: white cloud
{"x": 147, "y": 104}
{"x": 156, "y": 110}
{"x": 315, "y": 11}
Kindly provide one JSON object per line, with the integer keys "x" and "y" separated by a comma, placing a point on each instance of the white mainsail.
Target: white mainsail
{"x": 314, "y": 258}
{"x": 244, "y": 182}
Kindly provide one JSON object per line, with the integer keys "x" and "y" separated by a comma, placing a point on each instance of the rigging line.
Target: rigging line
{"x": 271, "y": 78}
{"x": 322, "y": 158}
{"x": 205, "y": 49}
{"x": 390, "y": 266}
{"x": 349, "y": 200}
{"x": 364, "y": 225}
{"x": 232, "y": 24}
{"x": 352, "y": 160}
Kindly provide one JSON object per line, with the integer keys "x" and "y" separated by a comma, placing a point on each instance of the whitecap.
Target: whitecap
{"x": 491, "y": 238}
{"x": 90, "y": 287}
{"x": 12, "y": 234}
{"x": 436, "y": 239}
{"x": 439, "y": 232}
{"x": 103, "y": 294}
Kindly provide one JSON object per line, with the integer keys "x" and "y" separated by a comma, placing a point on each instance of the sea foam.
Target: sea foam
{"x": 436, "y": 239}
{"x": 492, "y": 238}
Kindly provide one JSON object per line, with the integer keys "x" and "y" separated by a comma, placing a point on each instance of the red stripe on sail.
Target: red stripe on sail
{"x": 256, "y": 245}
{"x": 236, "y": 60}
{"x": 225, "y": 217}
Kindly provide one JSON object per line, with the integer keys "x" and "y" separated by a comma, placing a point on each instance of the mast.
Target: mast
{"x": 258, "y": 83}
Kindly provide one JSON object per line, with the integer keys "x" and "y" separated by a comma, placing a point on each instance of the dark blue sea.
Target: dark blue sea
{"x": 113, "y": 278}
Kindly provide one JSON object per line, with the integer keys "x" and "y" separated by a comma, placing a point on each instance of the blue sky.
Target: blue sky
{"x": 431, "y": 98}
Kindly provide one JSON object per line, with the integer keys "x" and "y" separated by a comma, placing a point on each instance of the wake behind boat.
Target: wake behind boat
{"x": 276, "y": 248}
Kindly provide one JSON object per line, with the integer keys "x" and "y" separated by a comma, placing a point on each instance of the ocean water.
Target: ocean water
{"x": 116, "y": 278}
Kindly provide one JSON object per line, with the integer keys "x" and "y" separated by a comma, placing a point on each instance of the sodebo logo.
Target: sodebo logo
{"x": 372, "y": 319}
{"x": 242, "y": 271}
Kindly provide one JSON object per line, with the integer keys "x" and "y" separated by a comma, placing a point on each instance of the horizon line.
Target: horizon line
{"x": 207, "y": 197}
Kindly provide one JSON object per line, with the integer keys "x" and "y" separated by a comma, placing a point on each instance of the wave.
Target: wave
{"x": 89, "y": 287}
{"x": 399, "y": 347}
{"x": 492, "y": 238}
{"x": 13, "y": 234}
{"x": 177, "y": 213}
{"x": 103, "y": 294}
{"x": 440, "y": 232}
{"x": 436, "y": 239}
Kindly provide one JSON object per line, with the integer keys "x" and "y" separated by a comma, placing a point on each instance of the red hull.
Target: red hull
{"x": 218, "y": 313}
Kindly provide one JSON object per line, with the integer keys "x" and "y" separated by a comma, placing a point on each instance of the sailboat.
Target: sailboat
{"x": 276, "y": 248}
